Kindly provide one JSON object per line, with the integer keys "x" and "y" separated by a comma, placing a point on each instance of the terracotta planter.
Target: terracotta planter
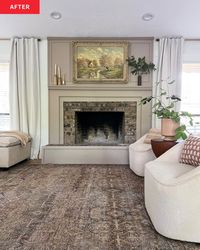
{"x": 168, "y": 128}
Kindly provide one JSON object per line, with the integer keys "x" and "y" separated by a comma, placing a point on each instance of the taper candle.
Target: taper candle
{"x": 63, "y": 79}
{"x": 59, "y": 72}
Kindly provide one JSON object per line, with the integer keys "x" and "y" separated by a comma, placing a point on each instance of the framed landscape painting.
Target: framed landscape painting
{"x": 100, "y": 62}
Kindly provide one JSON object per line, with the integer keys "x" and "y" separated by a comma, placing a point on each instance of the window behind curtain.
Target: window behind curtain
{"x": 4, "y": 97}
{"x": 191, "y": 93}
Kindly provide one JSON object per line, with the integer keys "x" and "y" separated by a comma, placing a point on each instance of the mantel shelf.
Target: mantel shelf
{"x": 93, "y": 87}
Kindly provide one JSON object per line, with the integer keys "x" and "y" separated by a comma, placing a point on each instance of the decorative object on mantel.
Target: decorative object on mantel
{"x": 57, "y": 79}
{"x": 140, "y": 67}
{"x": 100, "y": 62}
{"x": 63, "y": 79}
{"x": 164, "y": 108}
{"x": 59, "y": 76}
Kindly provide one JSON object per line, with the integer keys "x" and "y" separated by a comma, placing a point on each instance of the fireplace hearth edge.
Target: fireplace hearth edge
{"x": 62, "y": 154}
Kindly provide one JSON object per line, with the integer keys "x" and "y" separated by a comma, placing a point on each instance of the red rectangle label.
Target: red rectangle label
{"x": 19, "y": 6}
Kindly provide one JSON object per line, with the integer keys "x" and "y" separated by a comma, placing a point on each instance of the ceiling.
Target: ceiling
{"x": 107, "y": 18}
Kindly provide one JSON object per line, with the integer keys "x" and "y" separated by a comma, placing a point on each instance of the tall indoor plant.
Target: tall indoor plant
{"x": 139, "y": 67}
{"x": 164, "y": 108}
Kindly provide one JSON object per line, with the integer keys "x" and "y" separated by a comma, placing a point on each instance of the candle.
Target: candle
{"x": 59, "y": 72}
{"x": 55, "y": 69}
{"x": 63, "y": 79}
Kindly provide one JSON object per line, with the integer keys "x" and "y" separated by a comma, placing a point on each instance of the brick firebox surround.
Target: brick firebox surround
{"x": 129, "y": 109}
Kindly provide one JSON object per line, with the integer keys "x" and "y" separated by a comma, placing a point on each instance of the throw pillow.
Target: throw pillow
{"x": 190, "y": 153}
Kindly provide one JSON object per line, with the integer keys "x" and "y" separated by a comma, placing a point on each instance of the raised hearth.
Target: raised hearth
{"x": 62, "y": 154}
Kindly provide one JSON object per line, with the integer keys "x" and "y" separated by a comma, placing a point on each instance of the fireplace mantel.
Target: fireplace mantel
{"x": 91, "y": 87}
{"x": 57, "y": 97}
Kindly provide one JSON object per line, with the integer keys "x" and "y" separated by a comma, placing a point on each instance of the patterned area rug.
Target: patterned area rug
{"x": 67, "y": 207}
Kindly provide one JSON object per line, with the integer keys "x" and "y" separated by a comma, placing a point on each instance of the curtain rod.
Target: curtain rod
{"x": 187, "y": 39}
{"x": 158, "y": 39}
{"x": 8, "y": 39}
{"x": 39, "y": 39}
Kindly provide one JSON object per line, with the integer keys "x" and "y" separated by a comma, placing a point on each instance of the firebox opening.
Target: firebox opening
{"x": 99, "y": 128}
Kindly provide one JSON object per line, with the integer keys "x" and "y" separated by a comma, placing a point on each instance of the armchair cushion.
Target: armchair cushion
{"x": 191, "y": 151}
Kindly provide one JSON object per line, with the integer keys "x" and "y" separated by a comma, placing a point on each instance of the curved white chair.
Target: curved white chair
{"x": 172, "y": 196}
{"x": 139, "y": 154}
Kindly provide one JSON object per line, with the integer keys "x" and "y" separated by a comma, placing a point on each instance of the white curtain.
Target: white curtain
{"x": 25, "y": 107}
{"x": 168, "y": 53}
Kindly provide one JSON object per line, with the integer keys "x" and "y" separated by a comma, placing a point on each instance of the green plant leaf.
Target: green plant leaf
{"x": 140, "y": 66}
{"x": 173, "y": 97}
{"x": 171, "y": 82}
{"x": 163, "y": 93}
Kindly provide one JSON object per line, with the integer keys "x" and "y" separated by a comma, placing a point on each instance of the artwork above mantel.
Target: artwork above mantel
{"x": 102, "y": 62}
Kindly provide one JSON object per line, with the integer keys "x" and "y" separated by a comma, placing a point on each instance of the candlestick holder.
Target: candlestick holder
{"x": 59, "y": 80}
{"x": 55, "y": 80}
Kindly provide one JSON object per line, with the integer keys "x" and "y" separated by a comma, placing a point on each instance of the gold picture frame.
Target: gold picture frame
{"x": 100, "y": 62}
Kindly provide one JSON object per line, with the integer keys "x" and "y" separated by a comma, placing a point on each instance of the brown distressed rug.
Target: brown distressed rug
{"x": 66, "y": 207}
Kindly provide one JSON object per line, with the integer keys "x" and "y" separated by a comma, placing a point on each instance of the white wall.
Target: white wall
{"x": 5, "y": 47}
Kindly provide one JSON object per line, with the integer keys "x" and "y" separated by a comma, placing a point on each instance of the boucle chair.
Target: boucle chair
{"x": 172, "y": 196}
{"x": 139, "y": 154}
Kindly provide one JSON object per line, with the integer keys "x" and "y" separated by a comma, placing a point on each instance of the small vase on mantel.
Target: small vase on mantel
{"x": 139, "y": 80}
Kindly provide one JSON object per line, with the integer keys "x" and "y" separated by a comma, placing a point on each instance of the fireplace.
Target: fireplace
{"x": 99, "y": 123}
{"x": 99, "y": 128}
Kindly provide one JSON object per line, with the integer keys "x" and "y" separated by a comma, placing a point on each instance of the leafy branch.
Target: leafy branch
{"x": 140, "y": 66}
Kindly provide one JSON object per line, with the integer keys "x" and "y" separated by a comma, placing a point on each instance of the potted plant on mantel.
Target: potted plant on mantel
{"x": 140, "y": 67}
{"x": 164, "y": 108}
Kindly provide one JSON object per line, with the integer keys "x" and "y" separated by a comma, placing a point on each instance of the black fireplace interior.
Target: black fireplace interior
{"x": 99, "y": 128}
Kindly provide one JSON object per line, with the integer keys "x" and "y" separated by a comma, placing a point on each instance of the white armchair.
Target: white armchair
{"x": 172, "y": 196}
{"x": 139, "y": 154}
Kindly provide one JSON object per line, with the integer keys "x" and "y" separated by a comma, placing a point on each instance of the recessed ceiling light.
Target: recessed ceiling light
{"x": 147, "y": 17}
{"x": 56, "y": 15}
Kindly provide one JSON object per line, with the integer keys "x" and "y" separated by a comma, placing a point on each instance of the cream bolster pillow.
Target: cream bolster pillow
{"x": 153, "y": 133}
{"x": 9, "y": 141}
{"x": 24, "y": 138}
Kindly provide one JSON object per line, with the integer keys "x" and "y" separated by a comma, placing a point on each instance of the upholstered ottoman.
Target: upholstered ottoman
{"x": 12, "y": 152}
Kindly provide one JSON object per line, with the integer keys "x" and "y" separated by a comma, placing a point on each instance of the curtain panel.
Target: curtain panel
{"x": 25, "y": 106}
{"x": 168, "y": 59}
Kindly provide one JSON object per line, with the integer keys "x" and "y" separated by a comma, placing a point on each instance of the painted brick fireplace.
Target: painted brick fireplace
{"x": 99, "y": 123}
